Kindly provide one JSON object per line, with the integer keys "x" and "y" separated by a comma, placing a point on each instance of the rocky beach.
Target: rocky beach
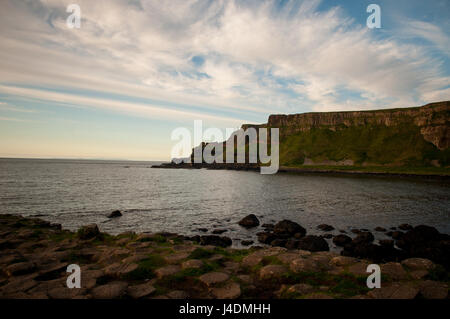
{"x": 34, "y": 255}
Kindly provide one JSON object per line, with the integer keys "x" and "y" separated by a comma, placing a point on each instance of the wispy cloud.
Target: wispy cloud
{"x": 256, "y": 56}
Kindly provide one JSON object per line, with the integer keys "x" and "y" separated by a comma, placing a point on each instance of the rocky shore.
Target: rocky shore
{"x": 34, "y": 255}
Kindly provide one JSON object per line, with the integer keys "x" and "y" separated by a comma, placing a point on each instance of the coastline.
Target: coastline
{"x": 396, "y": 172}
{"x": 34, "y": 255}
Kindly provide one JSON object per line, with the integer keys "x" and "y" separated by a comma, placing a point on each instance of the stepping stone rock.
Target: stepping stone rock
{"x": 394, "y": 291}
{"x": 213, "y": 278}
{"x": 231, "y": 290}
{"x": 110, "y": 291}
{"x": 303, "y": 265}
{"x": 176, "y": 258}
{"x": 192, "y": 263}
{"x": 287, "y": 258}
{"x": 21, "y": 268}
{"x": 272, "y": 271}
{"x": 140, "y": 291}
{"x": 359, "y": 269}
{"x": 167, "y": 271}
{"x": 418, "y": 264}
{"x": 178, "y": 294}
{"x": 318, "y": 295}
{"x": 394, "y": 270}
{"x": 65, "y": 293}
{"x": 251, "y": 260}
{"x": 343, "y": 261}
{"x": 120, "y": 269}
{"x": 341, "y": 240}
{"x": 433, "y": 290}
{"x": 301, "y": 289}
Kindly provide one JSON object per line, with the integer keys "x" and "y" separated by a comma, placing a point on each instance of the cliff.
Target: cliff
{"x": 417, "y": 136}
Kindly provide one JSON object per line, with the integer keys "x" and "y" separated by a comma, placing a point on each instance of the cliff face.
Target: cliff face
{"x": 432, "y": 119}
{"x": 417, "y": 136}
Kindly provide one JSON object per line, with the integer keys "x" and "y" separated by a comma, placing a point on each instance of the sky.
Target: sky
{"x": 136, "y": 70}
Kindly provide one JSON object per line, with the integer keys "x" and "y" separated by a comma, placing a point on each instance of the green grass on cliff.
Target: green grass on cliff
{"x": 400, "y": 145}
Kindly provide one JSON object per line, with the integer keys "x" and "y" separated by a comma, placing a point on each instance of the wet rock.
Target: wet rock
{"x": 397, "y": 234}
{"x": 325, "y": 227}
{"x": 278, "y": 242}
{"x": 313, "y": 243}
{"x": 272, "y": 271}
{"x": 219, "y": 231}
{"x": 266, "y": 237}
{"x": 213, "y": 278}
{"x": 215, "y": 240}
{"x": 203, "y": 230}
{"x": 249, "y": 221}
{"x": 405, "y": 227}
{"x": 115, "y": 214}
{"x": 386, "y": 243}
{"x": 140, "y": 291}
{"x": 111, "y": 290}
{"x": 355, "y": 231}
{"x": 88, "y": 232}
{"x": 268, "y": 226}
{"x": 247, "y": 242}
{"x": 363, "y": 238}
{"x": 231, "y": 290}
{"x": 289, "y": 228}
{"x": 292, "y": 244}
{"x": 327, "y": 236}
{"x": 380, "y": 229}
{"x": 341, "y": 240}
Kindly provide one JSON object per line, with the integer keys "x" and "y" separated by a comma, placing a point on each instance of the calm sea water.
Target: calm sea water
{"x": 78, "y": 192}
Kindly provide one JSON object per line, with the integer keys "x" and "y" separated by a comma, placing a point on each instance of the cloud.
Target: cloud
{"x": 247, "y": 59}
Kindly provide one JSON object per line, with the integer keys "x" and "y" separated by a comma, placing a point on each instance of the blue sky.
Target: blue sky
{"x": 117, "y": 87}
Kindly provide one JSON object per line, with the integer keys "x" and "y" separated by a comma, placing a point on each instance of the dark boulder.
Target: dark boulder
{"x": 247, "y": 242}
{"x": 268, "y": 226}
{"x": 418, "y": 236}
{"x": 327, "y": 236}
{"x": 342, "y": 240}
{"x": 249, "y": 221}
{"x": 203, "y": 230}
{"x": 380, "y": 229}
{"x": 219, "y": 231}
{"x": 289, "y": 228}
{"x": 405, "y": 227}
{"x": 397, "y": 234}
{"x": 313, "y": 243}
{"x": 363, "y": 238}
{"x": 386, "y": 242}
{"x": 266, "y": 237}
{"x": 88, "y": 232}
{"x": 115, "y": 214}
{"x": 215, "y": 240}
{"x": 279, "y": 242}
{"x": 292, "y": 244}
{"x": 325, "y": 227}
{"x": 355, "y": 231}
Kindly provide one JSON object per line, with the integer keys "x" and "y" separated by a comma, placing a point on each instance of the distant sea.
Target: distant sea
{"x": 79, "y": 192}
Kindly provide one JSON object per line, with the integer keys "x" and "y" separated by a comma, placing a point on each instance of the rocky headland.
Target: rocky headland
{"x": 405, "y": 142}
{"x": 34, "y": 255}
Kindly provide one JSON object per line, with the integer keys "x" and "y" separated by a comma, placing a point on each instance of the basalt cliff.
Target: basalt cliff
{"x": 417, "y": 137}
